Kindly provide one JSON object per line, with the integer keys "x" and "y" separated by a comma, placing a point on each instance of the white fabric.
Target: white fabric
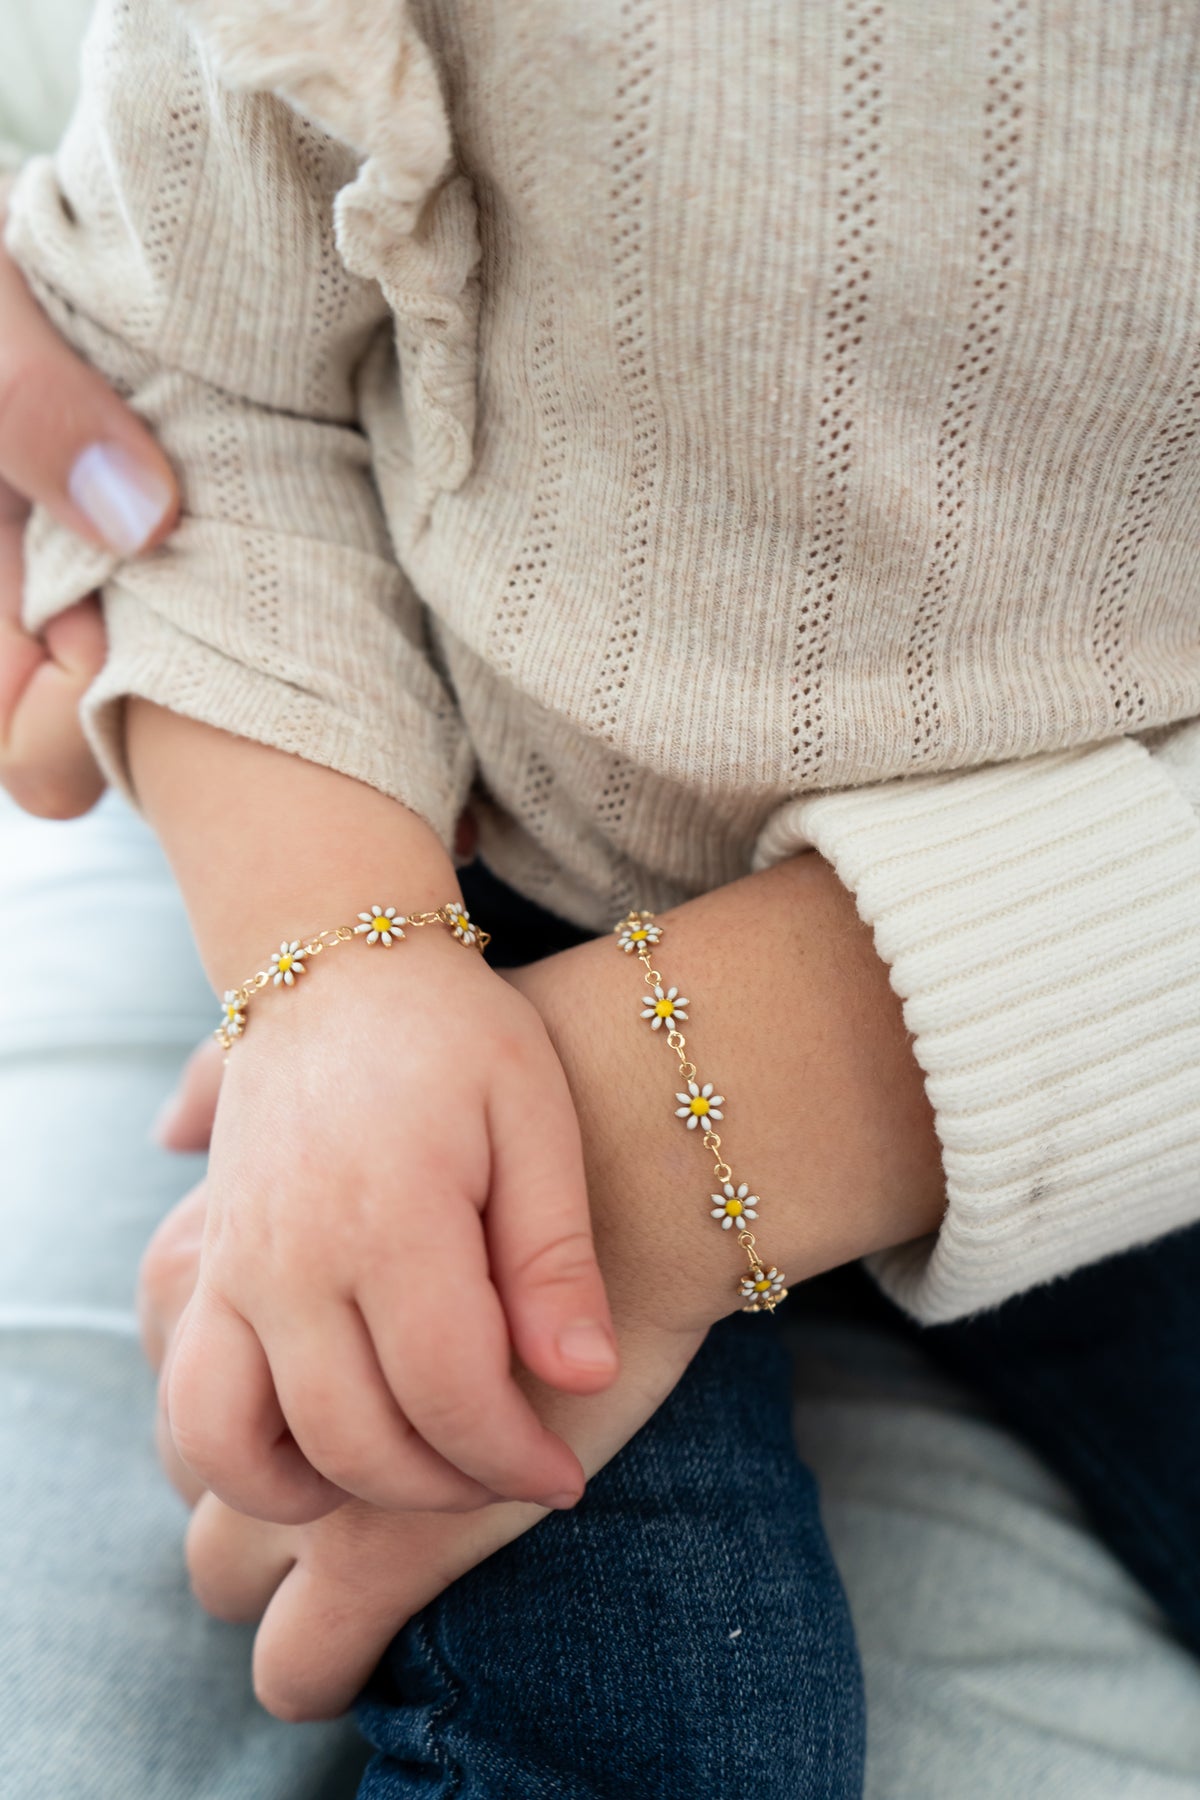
{"x": 1041, "y": 922}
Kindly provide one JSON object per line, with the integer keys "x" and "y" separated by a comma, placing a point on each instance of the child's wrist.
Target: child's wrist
{"x": 268, "y": 846}
{"x": 379, "y": 927}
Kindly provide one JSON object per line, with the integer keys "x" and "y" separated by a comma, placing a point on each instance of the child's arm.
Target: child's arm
{"x": 397, "y": 1196}
{"x": 190, "y": 238}
{"x": 197, "y": 240}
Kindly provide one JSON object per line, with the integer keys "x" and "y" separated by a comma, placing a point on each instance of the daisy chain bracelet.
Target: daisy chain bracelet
{"x": 762, "y": 1288}
{"x": 381, "y": 925}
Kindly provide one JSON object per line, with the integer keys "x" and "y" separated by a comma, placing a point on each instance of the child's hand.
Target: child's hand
{"x": 396, "y": 1205}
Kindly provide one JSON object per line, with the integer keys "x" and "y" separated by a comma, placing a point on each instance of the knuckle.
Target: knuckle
{"x": 347, "y": 1466}
{"x": 565, "y": 1261}
{"x": 197, "y": 1443}
{"x": 347, "y": 1458}
{"x": 456, "y": 1414}
{"x": 157, "y": 1267}
{"x": 198, "y": 1449}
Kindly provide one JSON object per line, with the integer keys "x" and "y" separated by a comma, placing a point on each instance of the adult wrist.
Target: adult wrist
{"x": 793, "y": 1019}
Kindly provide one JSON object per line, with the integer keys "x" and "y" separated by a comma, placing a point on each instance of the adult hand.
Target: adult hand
{"x": 69, "y": 444}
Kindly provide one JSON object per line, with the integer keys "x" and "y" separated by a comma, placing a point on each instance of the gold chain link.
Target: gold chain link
{"x": 762, "y": 1290}
{"x": 453, "y": 916}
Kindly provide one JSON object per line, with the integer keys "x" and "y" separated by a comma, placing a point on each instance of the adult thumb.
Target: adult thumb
{"x": 67, "y": 441}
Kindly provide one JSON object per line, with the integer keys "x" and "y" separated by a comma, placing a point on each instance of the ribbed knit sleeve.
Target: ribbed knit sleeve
{"x": 1041, "y": 922}
{"x": 209, "y": 246}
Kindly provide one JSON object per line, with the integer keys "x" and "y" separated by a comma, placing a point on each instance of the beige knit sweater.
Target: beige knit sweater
{"x": 706, "y": 431}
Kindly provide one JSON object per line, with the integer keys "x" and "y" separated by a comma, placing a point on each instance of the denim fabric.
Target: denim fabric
{"x": 682, "y": 1634}
{"x": 1006, "y": 1654}
{"x": 113, "y": 1684}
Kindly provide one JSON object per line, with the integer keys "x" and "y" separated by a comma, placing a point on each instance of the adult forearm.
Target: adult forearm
{"x": 792, "y": 1016}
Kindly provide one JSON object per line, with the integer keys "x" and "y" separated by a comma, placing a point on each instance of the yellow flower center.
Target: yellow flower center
{"x": 733, "y": 1208}
{"x": 231, "y": 1012}
{"x": 463, "y": 922}
{"x": 664, "y": 1008}
{"x": 760, "y": 1287}
{"x": 380, "y": 923}
{"x": 699, "y": 1106}
{"x": 285, "y": 963}
{"x": 638, "y": 937}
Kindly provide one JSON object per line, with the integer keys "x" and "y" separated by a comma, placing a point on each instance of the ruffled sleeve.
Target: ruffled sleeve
{"x": 248, "y": 199}
{"x": 1041, "y": 923}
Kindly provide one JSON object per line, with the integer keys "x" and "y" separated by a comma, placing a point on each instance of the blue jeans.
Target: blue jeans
{"x": 682, "y": 1633}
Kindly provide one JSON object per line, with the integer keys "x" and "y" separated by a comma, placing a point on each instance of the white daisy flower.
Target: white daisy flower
{"x": 286, "y": 963}
{"x": 233, "y": 1014}
{"x": 381, "y": 925}
{"x": 639, "y": 937}
{"x": 762, "y": 1290}
{"x": 699, "y": 1106}
{"x": 667, "y": 1007}
{"x": 735, "y": 1206}
{"x": 460, "y": 923}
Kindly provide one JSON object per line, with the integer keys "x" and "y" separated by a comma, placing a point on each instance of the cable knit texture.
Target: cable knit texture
{"x": 711, "y": 432}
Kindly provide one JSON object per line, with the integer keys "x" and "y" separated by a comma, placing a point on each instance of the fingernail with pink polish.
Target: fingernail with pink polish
{"x": 124, "y": 501}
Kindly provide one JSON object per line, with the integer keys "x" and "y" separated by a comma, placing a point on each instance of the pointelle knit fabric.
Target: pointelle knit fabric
{"x": 696, "y": 435}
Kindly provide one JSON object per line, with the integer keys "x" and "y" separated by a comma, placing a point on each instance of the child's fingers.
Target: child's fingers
{"x": 167, "y": 1273}
{"x": 227, "y": 1424}
{"x": 443, "y": 1346}
{"x": 539, "y": 1232}
{"x": 348, "y": 1425}
{"x": 189, "y": 1487}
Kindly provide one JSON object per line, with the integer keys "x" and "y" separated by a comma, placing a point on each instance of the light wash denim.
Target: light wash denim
{"x": 113, "y": 1685}
{"x": 1006, "y": 1654}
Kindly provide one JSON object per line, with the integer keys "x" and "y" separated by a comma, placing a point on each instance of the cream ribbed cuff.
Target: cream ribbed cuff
{"x": 1041, "y": 922}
